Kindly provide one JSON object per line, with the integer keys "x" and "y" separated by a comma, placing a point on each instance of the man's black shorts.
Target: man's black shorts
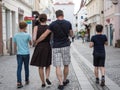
{"x": 99, "y": 59}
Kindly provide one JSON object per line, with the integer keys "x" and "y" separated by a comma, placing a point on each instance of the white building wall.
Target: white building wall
{"x": 11, "y": 26}
{"x": 82, "y": 13}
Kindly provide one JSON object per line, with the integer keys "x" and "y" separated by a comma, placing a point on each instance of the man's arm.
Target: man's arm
{"x": 71, "y": 33}
{"x": 106, "y": 43}
{"x": 35, "y": 33}
{"x": 43, "y": 36}
{"x": 30, "y": 43}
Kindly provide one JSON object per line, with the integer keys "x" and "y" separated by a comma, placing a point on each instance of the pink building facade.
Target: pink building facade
{"x": 112, "y": 21}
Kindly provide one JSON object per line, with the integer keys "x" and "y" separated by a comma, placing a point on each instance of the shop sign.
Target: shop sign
{"x": 29, "y": 18}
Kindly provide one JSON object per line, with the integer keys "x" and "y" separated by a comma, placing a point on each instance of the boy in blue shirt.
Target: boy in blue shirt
{"x": 21, "y": 41}
{"x": 97, "y": 42}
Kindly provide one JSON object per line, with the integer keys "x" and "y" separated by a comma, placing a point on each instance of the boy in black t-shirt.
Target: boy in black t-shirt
{"x": 97, "y": 42}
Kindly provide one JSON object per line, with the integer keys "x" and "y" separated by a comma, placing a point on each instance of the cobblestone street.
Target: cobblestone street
{"x": 112, "y": 59}
{"x": 67, "y": 26}
{"x": 81, "y": 71}
{"x": 8, "y": 77}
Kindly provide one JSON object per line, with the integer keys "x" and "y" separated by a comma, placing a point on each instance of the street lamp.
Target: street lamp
{"x": 115, "y": 2}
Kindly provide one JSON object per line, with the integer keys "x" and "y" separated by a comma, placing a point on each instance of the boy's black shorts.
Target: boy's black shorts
{"x": 99, "y": 59}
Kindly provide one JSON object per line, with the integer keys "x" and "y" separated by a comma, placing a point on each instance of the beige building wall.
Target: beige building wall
{"x": 36, "y": 5}
{"x": 1, "y": 40}
{"x": 43, "y": 5}
{"x": 95, "y": 14}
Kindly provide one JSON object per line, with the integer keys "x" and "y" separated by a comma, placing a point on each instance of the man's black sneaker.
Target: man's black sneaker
{"x": 43, "y": 85}
{"x": 102, "y": 82}
{"x": 66, "y": 82}
{"x": 19, "y": 85}
{"x": 48, "y": 81}
{"x": 60, "y": 87}
{"x": 97, "y": 80}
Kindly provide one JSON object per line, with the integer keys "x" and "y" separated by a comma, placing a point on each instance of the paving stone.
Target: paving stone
{"x": 8, "y": 77}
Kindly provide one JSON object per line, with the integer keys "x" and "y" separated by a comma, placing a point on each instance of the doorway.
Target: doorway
{"x": 20, "y": 18}
{"x": 106, "y": 30}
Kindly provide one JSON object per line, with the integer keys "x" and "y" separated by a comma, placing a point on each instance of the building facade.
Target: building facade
{"x": 47, "y": 7}
{"x": 112, "y": 21}
{"x": 13, "y": 12}
{"x": 95, "y": 10}
{"x": 36, "y": 5}
{"x": 1, "y": 40}
{"x": 81, "y": 16}
{"x": 36, "y": 11}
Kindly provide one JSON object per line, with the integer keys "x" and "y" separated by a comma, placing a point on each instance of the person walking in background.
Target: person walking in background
{"x": 83, "y": 36}
{"x": 73, "y": 38}
{"x": 42, "y": 53}
{"x": 61, "y": 30}
{"x": 98, "y": 41}
{"x": 21, "y": 41}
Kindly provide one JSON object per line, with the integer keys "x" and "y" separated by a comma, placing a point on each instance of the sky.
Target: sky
{"x": 77, "y": 5}
{"x": 76, "y": 2}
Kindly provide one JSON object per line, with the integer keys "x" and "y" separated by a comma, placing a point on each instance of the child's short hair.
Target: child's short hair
{"x": 99, "y": 28}
{"x": 22, "y": 25}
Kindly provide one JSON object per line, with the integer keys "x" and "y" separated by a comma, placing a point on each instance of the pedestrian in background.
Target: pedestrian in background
{"x": 73, "y": 38}
{"x": 61, "y": 30}
{"x": 21, "y": 41}
{"x": 42, "y": 53}
{"x": 97, "y": 42}
{"x": 83, "y": 36}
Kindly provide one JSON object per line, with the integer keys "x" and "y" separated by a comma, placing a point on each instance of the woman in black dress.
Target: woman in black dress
{"x": 42, "y": 53}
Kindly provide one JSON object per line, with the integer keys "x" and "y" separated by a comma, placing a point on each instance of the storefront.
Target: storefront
{"x": 12, "y": 13}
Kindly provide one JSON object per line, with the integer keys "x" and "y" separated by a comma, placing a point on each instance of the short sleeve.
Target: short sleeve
{"x": 106, "y": 39}
{"x": 14, "y": 38}
{"x": 92, "y": 39}
{"x": 29, "y": 38}
{"x": 50, "y": 27}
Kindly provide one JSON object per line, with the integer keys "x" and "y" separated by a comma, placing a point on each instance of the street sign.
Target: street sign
{"x": 29, "y": 18}
{"x": 28, "y": 21}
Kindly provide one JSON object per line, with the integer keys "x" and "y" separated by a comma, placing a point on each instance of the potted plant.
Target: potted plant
{"x": 118, "y": 43}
